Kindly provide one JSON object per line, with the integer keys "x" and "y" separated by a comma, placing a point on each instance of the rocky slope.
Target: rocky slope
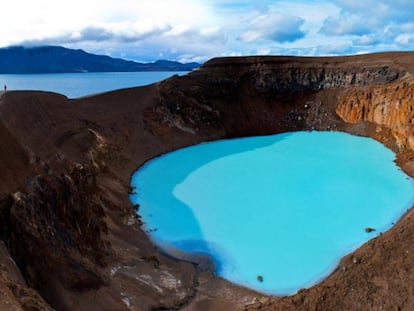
{"x": 71, "y": 238}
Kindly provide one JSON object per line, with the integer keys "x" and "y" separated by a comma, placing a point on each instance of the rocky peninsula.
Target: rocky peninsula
{"x": 71, "y": 239}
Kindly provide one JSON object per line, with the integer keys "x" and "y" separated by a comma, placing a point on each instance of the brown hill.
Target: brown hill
{"x": 65, "y": 169}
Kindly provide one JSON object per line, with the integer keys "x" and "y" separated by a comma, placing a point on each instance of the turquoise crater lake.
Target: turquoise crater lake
{"x": 285, "y": 207}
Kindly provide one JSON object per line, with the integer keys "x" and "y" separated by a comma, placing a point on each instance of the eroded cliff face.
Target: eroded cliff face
{"x": 51, "y": 222}
{"x": 246, "y": 96}
{"x": 284, "y": 74}
{"x": 68, "y": 227}
{"x": 390, "y": 105}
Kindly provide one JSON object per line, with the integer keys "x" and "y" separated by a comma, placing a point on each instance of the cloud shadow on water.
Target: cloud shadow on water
{"x": 172, "y": 224}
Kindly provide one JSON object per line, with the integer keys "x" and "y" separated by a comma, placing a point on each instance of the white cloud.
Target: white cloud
{"x": 382, "y": 10}
{"x": 346, "y": 25}
{"x": 275, "y": 27}
{"x": 379, "y": 25}
{"x": 264, "y": 52}
{"x": 405, "y": 39}
{"x": 23, "y": 20}
{"x": 366, "y": 40}
{"x": 200, "y": 29}
{"x": 251, "y": 35}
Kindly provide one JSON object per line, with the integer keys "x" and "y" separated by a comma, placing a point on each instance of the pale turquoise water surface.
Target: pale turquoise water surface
{"x": 81, "y": 84}
{"x": 286, "y": 207}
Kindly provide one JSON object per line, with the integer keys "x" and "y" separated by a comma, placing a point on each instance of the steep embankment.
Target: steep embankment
{"x": 391, "y": 106}
{"x": 64, "y": 208}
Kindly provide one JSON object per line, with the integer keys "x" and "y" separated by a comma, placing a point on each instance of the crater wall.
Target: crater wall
{"x": 73, "y": 236}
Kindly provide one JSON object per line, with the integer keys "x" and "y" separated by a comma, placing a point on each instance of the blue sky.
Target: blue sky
{"x": 196, "y": 30}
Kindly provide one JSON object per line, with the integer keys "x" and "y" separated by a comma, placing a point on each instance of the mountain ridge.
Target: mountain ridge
{"x": 57, "y": 59}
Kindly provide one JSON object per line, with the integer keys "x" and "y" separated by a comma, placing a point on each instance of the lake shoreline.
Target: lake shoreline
{"x": 177, "y": 192}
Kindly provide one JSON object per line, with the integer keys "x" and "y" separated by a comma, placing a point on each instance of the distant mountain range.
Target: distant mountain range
{"x": 56, "y": 59}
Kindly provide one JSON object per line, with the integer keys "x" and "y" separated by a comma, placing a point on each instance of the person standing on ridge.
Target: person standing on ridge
{"x": 5, "y": 88}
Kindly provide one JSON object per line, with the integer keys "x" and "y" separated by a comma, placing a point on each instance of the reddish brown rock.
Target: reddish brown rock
{"x": 390, "y": 105}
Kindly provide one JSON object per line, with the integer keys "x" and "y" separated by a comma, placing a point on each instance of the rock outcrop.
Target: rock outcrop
{"x": 390, "y": 105}
{"x": 298, "y": 74}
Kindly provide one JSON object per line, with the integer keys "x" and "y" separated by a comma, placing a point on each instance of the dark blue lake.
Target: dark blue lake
{"x": 81, "y": 84}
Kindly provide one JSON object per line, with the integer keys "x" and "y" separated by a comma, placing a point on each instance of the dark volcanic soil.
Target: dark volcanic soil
{"x": 71, "y": 239}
